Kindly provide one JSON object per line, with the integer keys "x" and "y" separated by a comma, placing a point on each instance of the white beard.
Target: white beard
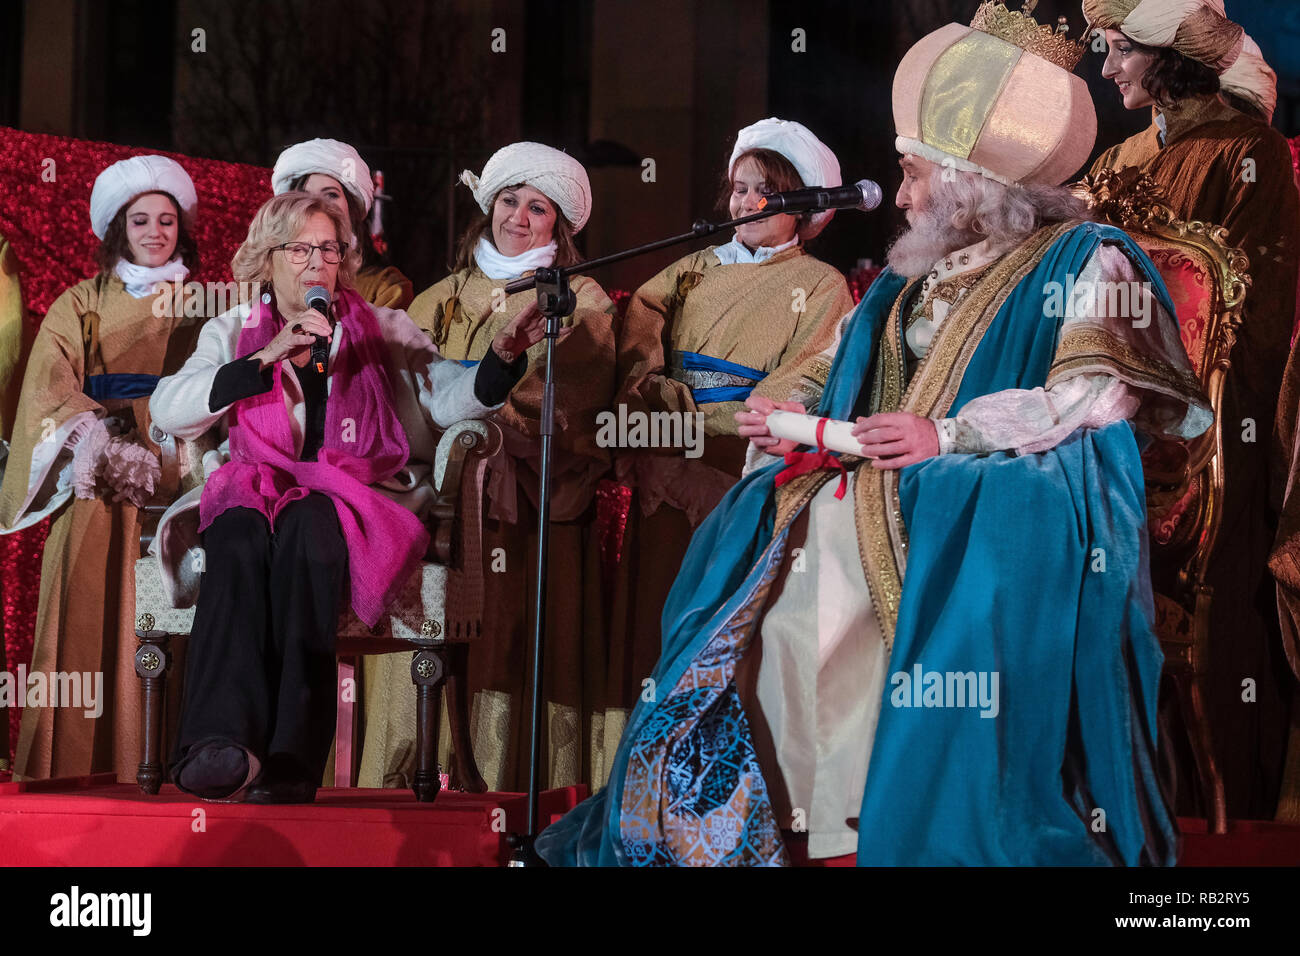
{"x": 927, "y": 240}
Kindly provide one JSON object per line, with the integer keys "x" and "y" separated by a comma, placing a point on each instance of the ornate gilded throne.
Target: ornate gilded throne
{"x": 1207, "y": 280}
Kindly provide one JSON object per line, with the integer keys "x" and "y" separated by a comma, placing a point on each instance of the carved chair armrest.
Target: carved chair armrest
{"x": 464, "y": 443}
{"x": 176, "y": 480}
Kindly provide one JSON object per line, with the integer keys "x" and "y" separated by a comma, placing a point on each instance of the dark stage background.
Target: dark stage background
{"x": 417, "y": 87}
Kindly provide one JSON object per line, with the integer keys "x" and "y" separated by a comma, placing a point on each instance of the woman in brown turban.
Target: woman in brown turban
{"x": 1210, "y": 148}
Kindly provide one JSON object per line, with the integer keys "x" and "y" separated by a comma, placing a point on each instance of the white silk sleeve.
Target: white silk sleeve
{"x": 755, "y": 458}
{"x": 1033, "y": 420}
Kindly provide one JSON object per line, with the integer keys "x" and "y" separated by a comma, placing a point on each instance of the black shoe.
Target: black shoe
{"x": 285, "y": 791}
{"x": 283, "y": 780}
{"x": 214, "y": 771}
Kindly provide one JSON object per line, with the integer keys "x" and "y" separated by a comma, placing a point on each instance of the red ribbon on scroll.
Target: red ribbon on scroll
{"x": 802, "y": 462}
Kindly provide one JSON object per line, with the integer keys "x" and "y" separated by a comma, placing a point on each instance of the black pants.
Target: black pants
{"x": 261, "y": 668}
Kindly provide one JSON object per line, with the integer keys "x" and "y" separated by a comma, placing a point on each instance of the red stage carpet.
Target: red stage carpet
{"x": 104, "y": 823}
{"x": 95, "y": 821}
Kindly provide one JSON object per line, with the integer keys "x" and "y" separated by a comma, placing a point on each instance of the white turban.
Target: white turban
{"x": 124, "y": 180}
{"x": 1252, "y": 79}
{"x": 810, "y": 157}
{"x": 328, "y": 157}
{"x": 556, "y": 175}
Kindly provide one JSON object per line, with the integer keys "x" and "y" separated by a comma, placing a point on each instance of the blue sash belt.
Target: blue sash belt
{"x": 120, "y": 385}
{"x": 713, "y": 379}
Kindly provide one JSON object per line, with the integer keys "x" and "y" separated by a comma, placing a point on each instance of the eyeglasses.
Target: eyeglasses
{"x": 300, "y": 252}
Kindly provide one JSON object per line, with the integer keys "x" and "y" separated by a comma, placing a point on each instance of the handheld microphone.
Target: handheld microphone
{"x": 318, "y": 298}
{"x": 864, "y": 195}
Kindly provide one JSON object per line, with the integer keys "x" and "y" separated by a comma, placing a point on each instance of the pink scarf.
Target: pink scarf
{"x": 364, "y": 444}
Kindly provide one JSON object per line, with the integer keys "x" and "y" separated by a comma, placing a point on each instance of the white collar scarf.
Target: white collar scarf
{"x": 140, "y": 280}
{"x": 497, "y": 266}
{"x": 735, "y": 251}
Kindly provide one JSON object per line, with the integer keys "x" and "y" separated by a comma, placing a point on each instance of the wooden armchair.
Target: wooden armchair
{"x": 1207, "y": 280}
{"x": 416, "y": 621}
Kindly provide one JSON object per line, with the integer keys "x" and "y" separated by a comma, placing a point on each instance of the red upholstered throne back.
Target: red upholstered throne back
{"x": 1190, "y": 278}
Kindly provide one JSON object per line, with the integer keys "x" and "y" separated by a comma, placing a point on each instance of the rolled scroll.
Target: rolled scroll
{"x": 803, "y": 429}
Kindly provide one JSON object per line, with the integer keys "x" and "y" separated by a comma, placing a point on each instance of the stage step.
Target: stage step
{"x": 99, "y": 822}
{"x": 96, "y": 821}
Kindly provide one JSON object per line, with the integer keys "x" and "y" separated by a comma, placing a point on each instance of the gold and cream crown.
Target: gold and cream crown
{"x": 1020, "y": 29}
{"x": 996, "y": 98}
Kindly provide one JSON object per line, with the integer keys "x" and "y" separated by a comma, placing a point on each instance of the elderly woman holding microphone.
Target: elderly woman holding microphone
{"x": 318, "y": 502}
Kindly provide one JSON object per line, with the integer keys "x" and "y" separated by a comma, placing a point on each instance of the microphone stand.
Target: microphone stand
{"x": 556, "y": 300}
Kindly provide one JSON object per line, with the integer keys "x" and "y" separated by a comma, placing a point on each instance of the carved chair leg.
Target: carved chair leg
{"x": 1191, "y": 702}
{"x": 151, "y": 661}
{"x": 467, "y": 774}
{"x": 428, "y": 669}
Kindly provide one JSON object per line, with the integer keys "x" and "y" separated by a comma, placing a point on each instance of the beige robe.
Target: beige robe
{"x": 462, "y": 314}
{"x": 386, "y": 286}
{"x": 15, "y": 342}
{"x": 743, "y": 313}
{"x": 85, "y": 616}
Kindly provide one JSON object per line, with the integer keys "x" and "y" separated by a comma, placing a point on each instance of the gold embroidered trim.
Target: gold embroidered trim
{"x": 950, "y": 290}
{"x": 882, "y": 535}
{"x": 936, "y": 382}
{"x": 817, "y": 371}
{"x": 1084, "y": 347}
{"x": 794, "y": 494}
{"x": 876, "y": 545}
{"x": 877, "y": 386}
{"x": 887, "y": 391}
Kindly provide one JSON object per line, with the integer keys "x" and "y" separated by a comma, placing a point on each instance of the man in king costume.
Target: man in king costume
{"x": 988, "y": 544}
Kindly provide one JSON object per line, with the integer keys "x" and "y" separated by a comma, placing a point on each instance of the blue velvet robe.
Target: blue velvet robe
{"x": 1034, "y": 567}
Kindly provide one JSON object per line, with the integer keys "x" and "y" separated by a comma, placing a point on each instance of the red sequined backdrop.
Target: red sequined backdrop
{"x": 45, "y": 184}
